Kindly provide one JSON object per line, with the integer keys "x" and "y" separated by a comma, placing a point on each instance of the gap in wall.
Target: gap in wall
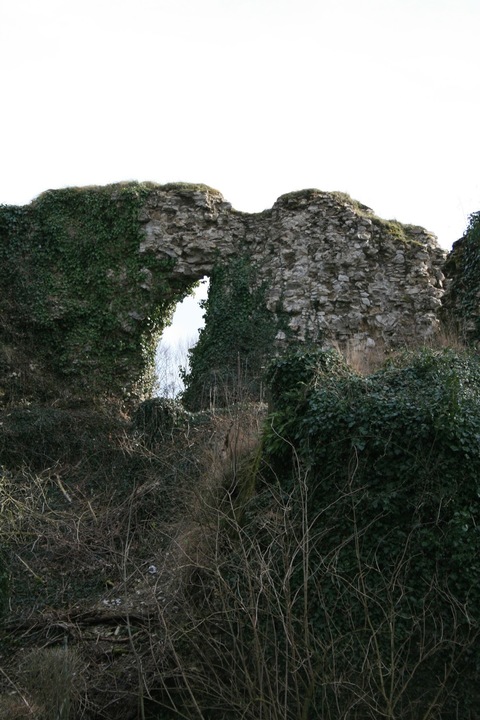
{"x": 177, "y": 339}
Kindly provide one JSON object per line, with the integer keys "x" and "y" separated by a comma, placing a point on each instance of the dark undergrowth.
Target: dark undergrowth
{"x": 316, "y": 559}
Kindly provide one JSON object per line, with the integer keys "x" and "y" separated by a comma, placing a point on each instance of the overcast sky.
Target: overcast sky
{"x": 377, "y": 98}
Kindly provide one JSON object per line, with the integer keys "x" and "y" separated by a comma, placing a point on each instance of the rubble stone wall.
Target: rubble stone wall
{"x": 90, "y": 276}
{"x": 332, "y": 269}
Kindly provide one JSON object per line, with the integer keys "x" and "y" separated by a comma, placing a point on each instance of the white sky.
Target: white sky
{"x": 377, "y": 98}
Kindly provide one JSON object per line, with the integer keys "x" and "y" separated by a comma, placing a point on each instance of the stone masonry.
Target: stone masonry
{"x": 84, "y": 307}
{"x": 332, "y": 269}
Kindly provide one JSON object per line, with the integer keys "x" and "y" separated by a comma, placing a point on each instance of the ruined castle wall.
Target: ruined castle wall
{"x": 333, "y": 271}
{"x": 90, "y": 276}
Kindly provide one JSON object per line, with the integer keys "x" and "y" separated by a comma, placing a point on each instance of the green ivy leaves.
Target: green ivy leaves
{"x": 70, "y": 270}
{"x": 391, "y": 464}
{"x": 226, "y": 364}
{"x": 463, "y": 269}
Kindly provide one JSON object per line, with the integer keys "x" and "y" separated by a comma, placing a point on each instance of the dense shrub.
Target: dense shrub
{"x": 40, "y": 436}
{"x": 391, "y": 468}
{"x": 226, "y": 363}
{"x": 346, "y": 584}
{"x": 158, "y": 419}
{"x": 462, "y": 268}
{"x": 327, "y": 569}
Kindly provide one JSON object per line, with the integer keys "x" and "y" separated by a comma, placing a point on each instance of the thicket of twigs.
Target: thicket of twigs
{"x": 316, "y": 559}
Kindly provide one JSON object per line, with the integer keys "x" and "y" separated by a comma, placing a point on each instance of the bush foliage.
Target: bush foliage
{"x": 343, "y": 582}
{"x": 462, "y": 308}
{"x": 325, "y": 567}
{"x": 392, "y": 468}
{"x": 226, "y": 364}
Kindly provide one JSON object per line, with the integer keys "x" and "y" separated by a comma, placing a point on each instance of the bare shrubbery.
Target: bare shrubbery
{"x": 338, "y": 586}
{"x": 278, "y": 630}
{"x": 366, "y": 359}
{"x": 53, "y": 679}
{"x": 317, "y": 563}
{"x": 170, "y": 360}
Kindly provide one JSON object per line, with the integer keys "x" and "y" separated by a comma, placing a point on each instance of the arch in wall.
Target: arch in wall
{"x": 90, "y": 276}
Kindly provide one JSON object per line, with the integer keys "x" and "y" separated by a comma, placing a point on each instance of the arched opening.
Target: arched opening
{"x": 177, "y": 339}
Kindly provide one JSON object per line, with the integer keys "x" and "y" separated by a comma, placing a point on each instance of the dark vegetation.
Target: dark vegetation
{"x": 319, "y": 560}
{"x": 318, "y": 557}
{"x": 462, "y": 267}
{"x": 70, "y": 273}
{"x": 227, "y": 363}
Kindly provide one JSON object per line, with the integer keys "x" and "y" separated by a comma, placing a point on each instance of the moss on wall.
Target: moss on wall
{"x": 77, "y": 292}
{"x": 462, "y": 268}
{"x": 226, "y": 364}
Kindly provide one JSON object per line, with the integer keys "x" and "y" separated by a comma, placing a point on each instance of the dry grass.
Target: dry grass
{"x": 226, "y": 456}
{"x": 150, "y": 525}
{"x": 450, "y": 336}
{"x": 13, "y": 707}
{"x": 100, "y": 546}
{"x": 361, "y": 359}
{"x": 366, "y": 360}
{"x": 53, "y": 678}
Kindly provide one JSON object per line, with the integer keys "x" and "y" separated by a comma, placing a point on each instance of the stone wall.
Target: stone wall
{"x": 89, "y": 277}
{"x": 333, "y": 270}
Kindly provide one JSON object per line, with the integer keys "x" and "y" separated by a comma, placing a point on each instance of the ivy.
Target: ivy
{"x": 226, "y": 365}
{"x": 74, "y": 286}
{"x": 463, "y": 268}
{"x": 391, "y": 464}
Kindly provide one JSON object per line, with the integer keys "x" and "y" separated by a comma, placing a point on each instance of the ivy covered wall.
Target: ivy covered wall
{"x": 380, "y": 479}
{"x": 89, "y": 277}
{"x": 462, "y": 268}
{"x": 226, "y": 365}
{"x": 81, "y": 306}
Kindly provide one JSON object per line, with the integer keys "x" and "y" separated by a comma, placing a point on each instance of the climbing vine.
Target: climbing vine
{"x": 75, "y": 282}
{"x": 383, "y": 472}
{"x": 226, "y": 364}
{"x": 463, "y": 268}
